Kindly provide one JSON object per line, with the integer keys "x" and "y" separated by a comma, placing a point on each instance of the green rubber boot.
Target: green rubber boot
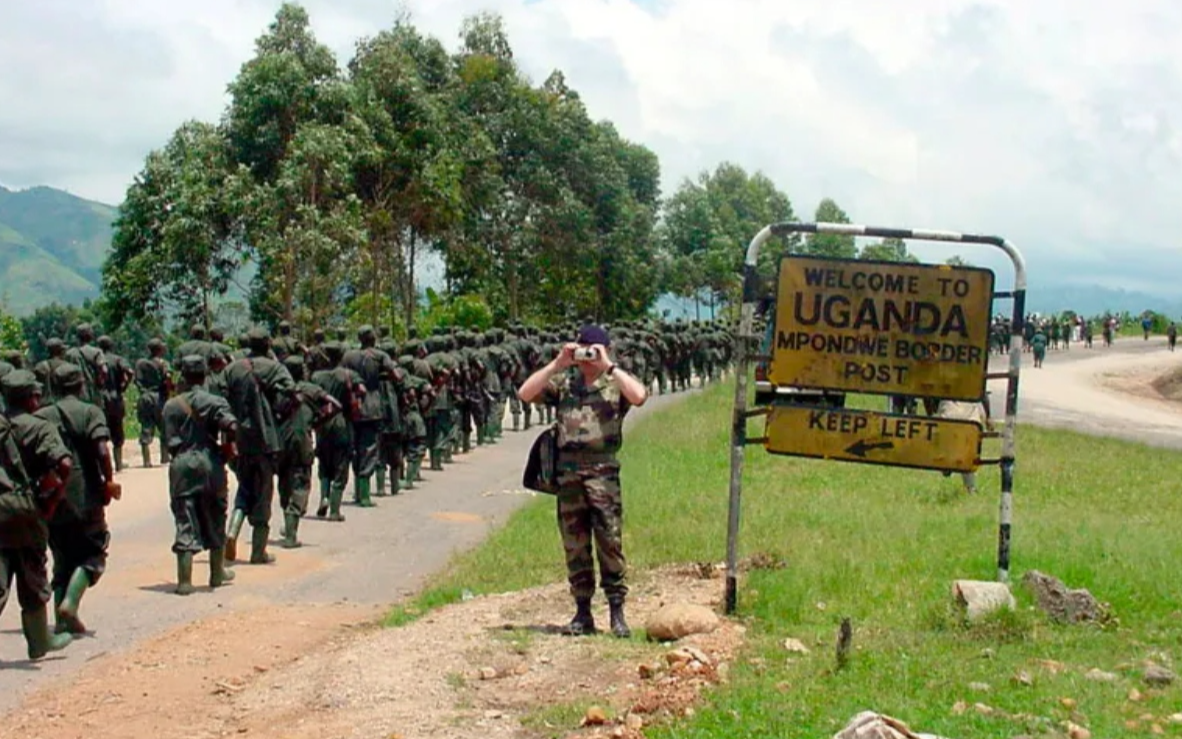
{"x": 395, "y": 481}
{"x": 237, "y": 518}
{"x": 219, "y": 574}
{"x": 146, "y": 451}
{"x": 436, "y": 460}
{"x": 325, "y": 494}
{"x": 67, "y": 610}
{"x": 363, "y": 499}
{"x": 291, "y": 538}
{"x": 184, "y": 573}
{"x": 40, "y": 642}
{"x": 334, "y": 502}
{"x": 258, "y": 546}
{"x": 466, "y": 442}
{"x": 380, "y": 488}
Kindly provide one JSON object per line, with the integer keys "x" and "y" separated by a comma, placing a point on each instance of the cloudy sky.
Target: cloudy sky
{"x": 1051, "y": 122}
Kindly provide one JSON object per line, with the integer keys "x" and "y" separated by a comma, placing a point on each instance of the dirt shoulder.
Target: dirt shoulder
{"x": 491, "y": 666}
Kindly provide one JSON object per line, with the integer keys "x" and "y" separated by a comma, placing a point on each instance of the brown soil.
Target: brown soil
{"x": 490, "y": 666}
{"x": 1147, "y": 382}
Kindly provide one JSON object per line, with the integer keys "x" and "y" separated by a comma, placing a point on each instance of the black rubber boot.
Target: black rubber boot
{"x": 619, "y": 626}
{"x": 146, "y": 451}
{"x": 583, "y": 623}
{"x": 334, "y": 502}
{"x": 325, "y": 494}
{"x": 164, "y": 456}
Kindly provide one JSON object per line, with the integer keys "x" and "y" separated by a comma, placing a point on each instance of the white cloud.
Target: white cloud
{"x": 1057, "y": 123}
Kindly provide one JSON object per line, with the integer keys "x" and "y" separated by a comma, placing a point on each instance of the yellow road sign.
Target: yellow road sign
{"x": 882, "y": 327}
{"x": 874, "y": 438}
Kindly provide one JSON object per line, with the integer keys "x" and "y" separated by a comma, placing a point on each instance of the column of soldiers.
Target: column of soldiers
{"x": 271, "y": 410}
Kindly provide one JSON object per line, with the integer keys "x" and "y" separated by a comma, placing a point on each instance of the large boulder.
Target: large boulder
{"x": 871, "y": 725}
{"x": 676, "y": 620}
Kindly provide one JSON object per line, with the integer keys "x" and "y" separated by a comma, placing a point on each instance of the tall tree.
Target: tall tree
{"x": 827, "y": 244}
{"x": 891, "y": 249}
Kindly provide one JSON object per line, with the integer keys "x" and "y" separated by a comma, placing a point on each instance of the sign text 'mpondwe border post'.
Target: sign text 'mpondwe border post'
{"x": 882, "y": 328}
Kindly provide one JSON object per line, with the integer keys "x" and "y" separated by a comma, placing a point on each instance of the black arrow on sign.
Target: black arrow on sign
{"x": 859, "y": 447}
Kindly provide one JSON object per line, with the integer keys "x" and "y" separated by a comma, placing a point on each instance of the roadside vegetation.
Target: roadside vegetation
{"x": 882, "y": 546}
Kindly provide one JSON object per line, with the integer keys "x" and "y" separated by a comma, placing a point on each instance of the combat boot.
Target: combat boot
{"x": 363, "y": 499}
{"x": 481, "y": 433}
{"x": 395, "y": 481}
{"x": 412, "y": 474}
{"x": 436, "y": 460}
{"x": 40, "y": 642}
{"x": 528, "y": 419}
{"x": 117, "y": 455}
{"x": 466, "y": 442}
{"x": 516, "y": 421}
{"x": 380, "y": 488}
{"x": 583, "y": 623}
{"x": 67, "y": 609}
{"x": 146, "y": 452}
{"x": 325, "y": 493}
{"x": 619, "y": 625}
{"x": 219, "y": 574}
{"x": 184, "y": 573}
{"x": 237, "y": 518}
{"x": 447, "y": 455}
{"x": 291, "y": 531}
{"x": 334, "y": 502}
{"x": 258, "y": 546}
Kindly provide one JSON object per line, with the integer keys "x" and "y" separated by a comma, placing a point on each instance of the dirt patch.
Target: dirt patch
{"x": 182, "y": 683}
{"x": 492, "y": 666}
{"x": 1147, "y": 382}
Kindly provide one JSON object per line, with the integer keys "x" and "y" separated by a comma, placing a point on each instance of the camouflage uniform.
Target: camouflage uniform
{"x": 590, "y": 432}
{"x": 44, "y": 369}
{"x": 92, "y": 362}
{"x": 416, "y": 396}
{"x": 374, "y": 366}
{"x": 198, "y": 487}
{"x": 78, "y": 532}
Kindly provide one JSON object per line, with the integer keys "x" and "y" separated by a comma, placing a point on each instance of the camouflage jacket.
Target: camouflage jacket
{"x": 590, "y": 418}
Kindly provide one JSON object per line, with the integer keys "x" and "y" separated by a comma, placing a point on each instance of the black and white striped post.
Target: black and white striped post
{"x": 747, "y": 335}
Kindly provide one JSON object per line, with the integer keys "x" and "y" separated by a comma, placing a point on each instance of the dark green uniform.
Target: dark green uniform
{"x": 416, "y": 396}
{"x": 374, "y": 367}
{"x": 334, "y": 439}
{"x": 295, "y": 461}
{"x": 153, "y": 379}
{"x": 78, "y": 533}
{"x": 119, "y": 376}
{"x": 30, "y": 448}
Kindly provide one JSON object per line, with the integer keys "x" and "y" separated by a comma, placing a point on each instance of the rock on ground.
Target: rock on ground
{"x": 1062, "y": 604}
{"x": 678, "y": 620}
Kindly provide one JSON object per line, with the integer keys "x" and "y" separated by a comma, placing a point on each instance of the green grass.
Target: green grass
{"x": 882, "y": 546}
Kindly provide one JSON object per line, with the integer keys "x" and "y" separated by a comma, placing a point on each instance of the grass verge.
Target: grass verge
{"x": 881, "y": 546}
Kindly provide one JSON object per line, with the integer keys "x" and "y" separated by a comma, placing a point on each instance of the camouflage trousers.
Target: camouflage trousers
{"x": 590, "y": 510}
{"x": 115, "y": 411}
{"x": 29, "y": 566}
{"x": 149, "y": 412}
{"x": 390, "y": 447}
{"x": 333, "y": 455}
{"x": 79, "y": 541}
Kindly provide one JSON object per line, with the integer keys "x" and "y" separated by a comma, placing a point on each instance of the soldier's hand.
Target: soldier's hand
{"x": 113, "y": 491}
{"x": 566, "y": 357}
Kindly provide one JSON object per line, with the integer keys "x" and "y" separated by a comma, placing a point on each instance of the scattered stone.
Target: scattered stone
{"x": 1132, "y": 724}
{"x": 1158, "y": 676}
{"x": 488, "y": 673}
{"x": 493, "y": 713}
{"x": 983, "y": 709}
{"x": 980, "y": 687}
{"x": 1175, "y": 718}
{"x": 1061, "y": 603}
{"x": 521, "y": 669}
{"x": 676, "y": 620}
{"x": 647, "y": 671}
{"x": 1068, "y": 703}
{"x": 1023, "y": 678}
{"x": 1100, "y": 676}
{"x": 988, "y": 653}
{"x": 821, "y": 605}
{"x": 1135, "y": 696}
{"x": 959, "y": 708}
{"x": 795, "y": 646}
{"x": 871, "y": 725}
{"x": 634, "y": 722}
{"x": 1157, "y": 729}
{"x": 595, "y": 716}
{"x": 979, "y": 598}
{"x": 1075, "y": 731}
{"x": 1052, "y": 666}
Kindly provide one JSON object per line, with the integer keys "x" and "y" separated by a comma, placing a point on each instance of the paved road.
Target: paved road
{"x": 377, "y": 556}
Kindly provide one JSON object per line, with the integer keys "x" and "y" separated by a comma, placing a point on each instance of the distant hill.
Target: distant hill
{"x": 52, "y": 246}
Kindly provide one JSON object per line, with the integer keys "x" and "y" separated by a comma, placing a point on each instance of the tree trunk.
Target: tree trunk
{"x": 410, "y": 281}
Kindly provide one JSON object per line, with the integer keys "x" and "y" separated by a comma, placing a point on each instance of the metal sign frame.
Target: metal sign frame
{"x": 743, "y": 355}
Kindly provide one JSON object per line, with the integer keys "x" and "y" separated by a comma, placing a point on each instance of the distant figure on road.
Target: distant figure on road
{"x": 1146, "y": 325}
{"x": 1172, "y": 335}
{"x": 1038, "y": 345}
